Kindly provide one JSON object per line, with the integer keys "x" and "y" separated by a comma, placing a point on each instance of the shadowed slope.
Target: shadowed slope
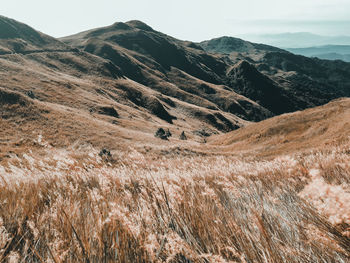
{"x": 276, "y": 79}
{"x": 249, "y": 82}
{"x": 304, "y": 82}
{"x": 178, "y": 69}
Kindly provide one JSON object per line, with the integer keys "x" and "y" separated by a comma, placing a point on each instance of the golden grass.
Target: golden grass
{"x": 288, "y": 133}
{"x": 70, "y": 206}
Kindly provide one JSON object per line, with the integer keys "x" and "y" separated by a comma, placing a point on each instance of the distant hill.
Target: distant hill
{"x": 228, "y": 44}
{"x": 331, "y": 52}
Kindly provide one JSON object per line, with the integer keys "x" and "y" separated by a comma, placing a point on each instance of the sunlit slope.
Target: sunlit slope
{"x": 312, "y": 128}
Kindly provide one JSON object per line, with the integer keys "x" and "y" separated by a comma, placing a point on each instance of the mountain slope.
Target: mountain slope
{"x": 303, "y": 130}
{"x": 167, "y": 65}
{"x": 227, "y": 45}
{"x": 16, "y": 37}
{"x": 306, "y": 82}
{"x": 157, "y": 60}
{"x": 249, "y": 81}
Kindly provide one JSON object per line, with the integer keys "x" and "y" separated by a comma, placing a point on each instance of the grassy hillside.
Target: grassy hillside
{"x": 184, "y": 202}
{"x": 69, "y": 206}
{"x": 309, "y": 129}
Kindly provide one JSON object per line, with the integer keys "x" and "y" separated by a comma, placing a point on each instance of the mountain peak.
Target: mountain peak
{"x": 139, "y": 24}
{"x": 243, "y": 64}
{"x": 120, "y": 26}
{"x": 245, "y": 68}
{"x": 16, "y": 37}
{"x": 227, "y": 45}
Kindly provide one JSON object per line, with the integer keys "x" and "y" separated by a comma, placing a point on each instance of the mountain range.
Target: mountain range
{"x": 126, "y": 80}
{"x": 330, "y": 52}
{"x": 309, "y": 45}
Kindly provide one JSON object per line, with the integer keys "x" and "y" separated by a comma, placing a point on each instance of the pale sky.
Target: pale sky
{"x": 194, "y": 20}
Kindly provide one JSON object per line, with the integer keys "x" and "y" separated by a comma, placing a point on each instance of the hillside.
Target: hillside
{"x": 142, "y": 51}
{"x": 314, "y": 128}
{"x": 45, "y": 72}
{"x": 134, "y": 80}
{"x": 226, "y": 45}
{"x": 182, "y": 92}
{"x": 175, "y": 68}
{"x": 16, "y": 37}
{"x": 307, "y": 82}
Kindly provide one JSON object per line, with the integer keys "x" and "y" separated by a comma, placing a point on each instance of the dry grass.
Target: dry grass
{"x": 293, "y": 132}
{"x": 70, "y": 206}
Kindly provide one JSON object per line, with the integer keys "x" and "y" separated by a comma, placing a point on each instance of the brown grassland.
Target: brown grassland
{"x": 72, "y": 205}
{"x": 274, "y": 191}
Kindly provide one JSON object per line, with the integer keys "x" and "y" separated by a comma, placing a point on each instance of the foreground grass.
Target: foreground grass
{"x": 65, "y": 207}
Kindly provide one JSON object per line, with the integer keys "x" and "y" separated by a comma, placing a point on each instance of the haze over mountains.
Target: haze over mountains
{"x": 331, "y": 52}
{"x": 299, "y": 40}
{"x": 310, "y": 45}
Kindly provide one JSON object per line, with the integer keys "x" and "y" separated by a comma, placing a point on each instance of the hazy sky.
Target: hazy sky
{"x": 186, "y": 19}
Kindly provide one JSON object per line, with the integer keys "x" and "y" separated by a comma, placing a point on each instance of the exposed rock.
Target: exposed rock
{"x": 11, "y": 97}
{"x": 30, "y": 94}
{"x": 168, "y": 133}
{"x": 204, "y": 132}
{"x": 108, "y": 110}
{"x": 162, "y": 134}
{"x": 183, "y": 136}
{"x": 105, "y": 154}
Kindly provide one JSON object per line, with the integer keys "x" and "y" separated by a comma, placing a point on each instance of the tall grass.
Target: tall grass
{"x": 71, "y": 207}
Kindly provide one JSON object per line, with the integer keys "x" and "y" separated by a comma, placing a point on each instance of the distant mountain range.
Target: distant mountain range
{"x": 331, "y": 52}
{"x": 298, "y": 40}
{"x": 309, "y": 45}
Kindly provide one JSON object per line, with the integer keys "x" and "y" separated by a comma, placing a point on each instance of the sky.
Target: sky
{"x": 194, "y": 20}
